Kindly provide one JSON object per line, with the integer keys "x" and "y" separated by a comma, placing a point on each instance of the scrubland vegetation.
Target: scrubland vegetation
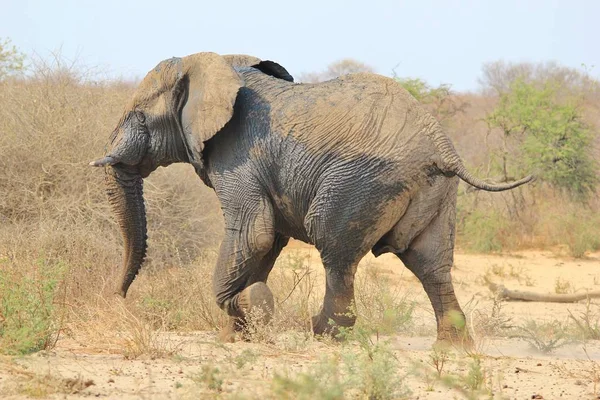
{"x": 60, "y": 247}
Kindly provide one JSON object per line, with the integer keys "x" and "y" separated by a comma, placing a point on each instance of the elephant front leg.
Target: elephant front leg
{"x": 245, "y": 259}
{"x": 236, "y": 324}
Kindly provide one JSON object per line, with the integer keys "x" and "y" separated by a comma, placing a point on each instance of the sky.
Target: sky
{"x": 440, "y": 41}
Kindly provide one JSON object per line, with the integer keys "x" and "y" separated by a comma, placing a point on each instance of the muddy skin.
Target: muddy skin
{"x": 350, "y": 165}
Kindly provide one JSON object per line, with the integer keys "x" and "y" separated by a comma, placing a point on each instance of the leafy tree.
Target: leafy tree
{"x": 544, "y": 132}
{"x": 438, "y": 100}
{"x": 11, "y": 59}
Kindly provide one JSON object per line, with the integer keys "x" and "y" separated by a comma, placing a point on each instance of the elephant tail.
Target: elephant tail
{"x": 466, "y": 176}
{"x": 452, "y": 164}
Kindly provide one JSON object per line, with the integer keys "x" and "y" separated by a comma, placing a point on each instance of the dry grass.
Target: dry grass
{"x": 54, "y": 213}
{"x": 33, "y": 384}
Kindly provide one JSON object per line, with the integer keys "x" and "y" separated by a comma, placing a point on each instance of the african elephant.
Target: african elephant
{"x": 348, "y": 165}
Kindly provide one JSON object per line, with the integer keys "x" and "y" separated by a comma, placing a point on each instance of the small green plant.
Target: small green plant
{"x": 373, "y": 370}
{"x": 430, "y": 380}
{"x": 209, "y": 377}
{"x": 562, "y": 286}
{"x": 322, "y": 381}
{"x": 472, "y": 384}
{"x": 364, "y": 368}
{"x": 545, "y": 337}
{"x": 380, "y": 306}
{"x": 496, "y": 322}
{"x": 498, "y": 270}
{"x": 521, "y": 275}
{"x": 529, "y": 281}
{"x": 475, "y": 378}
{"x": 160, "y": 312}
{"x": 438, "y": 358}
{"x": 256, "y": 330}
{"x": 28, "y": 320}
{"x": 245, "y": 357}
{"x": 588, "y": 322}
{"x": 515, "y": 272}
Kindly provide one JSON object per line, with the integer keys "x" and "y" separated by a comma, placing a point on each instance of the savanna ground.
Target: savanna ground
{"x": 64, "y": 334}
{"x": 522, "y": 349}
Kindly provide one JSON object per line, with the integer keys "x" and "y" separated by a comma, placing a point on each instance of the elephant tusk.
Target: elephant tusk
{"x": 108, "y": 160}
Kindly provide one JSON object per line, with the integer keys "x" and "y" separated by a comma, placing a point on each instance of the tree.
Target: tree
{"x": 11, "y": 59}
{"x": 544, "y": 133}
{"x": 499, "y": 75}
{"x": 338, "y": 68}
{"x": 438, "y": 100}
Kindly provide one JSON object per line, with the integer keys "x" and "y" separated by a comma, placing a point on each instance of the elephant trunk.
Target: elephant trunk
{"x": 452, "y": 163}
{"x": 124, "y": 187}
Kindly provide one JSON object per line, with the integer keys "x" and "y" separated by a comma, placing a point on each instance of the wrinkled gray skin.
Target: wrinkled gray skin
{"x": 349, "y": 165}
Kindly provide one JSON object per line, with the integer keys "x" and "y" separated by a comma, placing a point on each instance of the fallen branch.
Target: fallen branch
{"x": 518, "y": 295}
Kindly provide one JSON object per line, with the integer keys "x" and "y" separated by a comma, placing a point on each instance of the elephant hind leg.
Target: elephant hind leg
{"x": 430, "y": 257}
{"x": 344, "y": 229}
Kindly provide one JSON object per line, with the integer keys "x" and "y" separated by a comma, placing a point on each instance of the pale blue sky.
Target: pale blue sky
{"x": 441, "y": 41}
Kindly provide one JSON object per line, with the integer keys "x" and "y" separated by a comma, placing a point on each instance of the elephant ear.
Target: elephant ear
{"x": 266, "y": 67}
{"x": 207, "y": 104}
{"x": 274, "y": 69}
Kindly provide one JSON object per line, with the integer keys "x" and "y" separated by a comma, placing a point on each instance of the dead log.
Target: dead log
{"x": 518, "y": 295}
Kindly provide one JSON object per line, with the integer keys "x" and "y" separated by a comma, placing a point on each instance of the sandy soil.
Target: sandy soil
{"x": 512, "y": 368}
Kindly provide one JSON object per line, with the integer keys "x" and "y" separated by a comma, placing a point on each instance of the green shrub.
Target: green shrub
{"x": 553, "y": 139}
{"x": 363, "y": 368}
{"x": 587, "y": 323}
{"x": 381, "y": 306}
{"x": 484, "y": 231}
{"x": 580, "y": 231}
{"x": 545, "y": 337}
{"x": 28, "y": 320}
{"x": 322, "y": 381}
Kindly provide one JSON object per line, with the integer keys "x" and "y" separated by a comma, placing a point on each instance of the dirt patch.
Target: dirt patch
{"x": 504, "y": 363}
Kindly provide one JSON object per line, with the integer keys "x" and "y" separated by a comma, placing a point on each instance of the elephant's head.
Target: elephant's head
{"x": 178, "y": 106}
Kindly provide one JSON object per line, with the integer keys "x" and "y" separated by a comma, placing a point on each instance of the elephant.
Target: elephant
{"x": 351, "y": 165}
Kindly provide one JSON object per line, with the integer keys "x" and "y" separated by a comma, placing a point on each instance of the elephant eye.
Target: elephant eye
{"x": 140, "y": 117}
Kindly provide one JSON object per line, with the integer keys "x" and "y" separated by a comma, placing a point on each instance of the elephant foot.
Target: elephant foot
{"x": 465, "y": 344}
{"x": 321, "y": 326}
{"x": 452, "y": 337}
{"x": 227, "y": 333}
{"x": 324, "y": 325}
{"x": 256, "y": 301}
